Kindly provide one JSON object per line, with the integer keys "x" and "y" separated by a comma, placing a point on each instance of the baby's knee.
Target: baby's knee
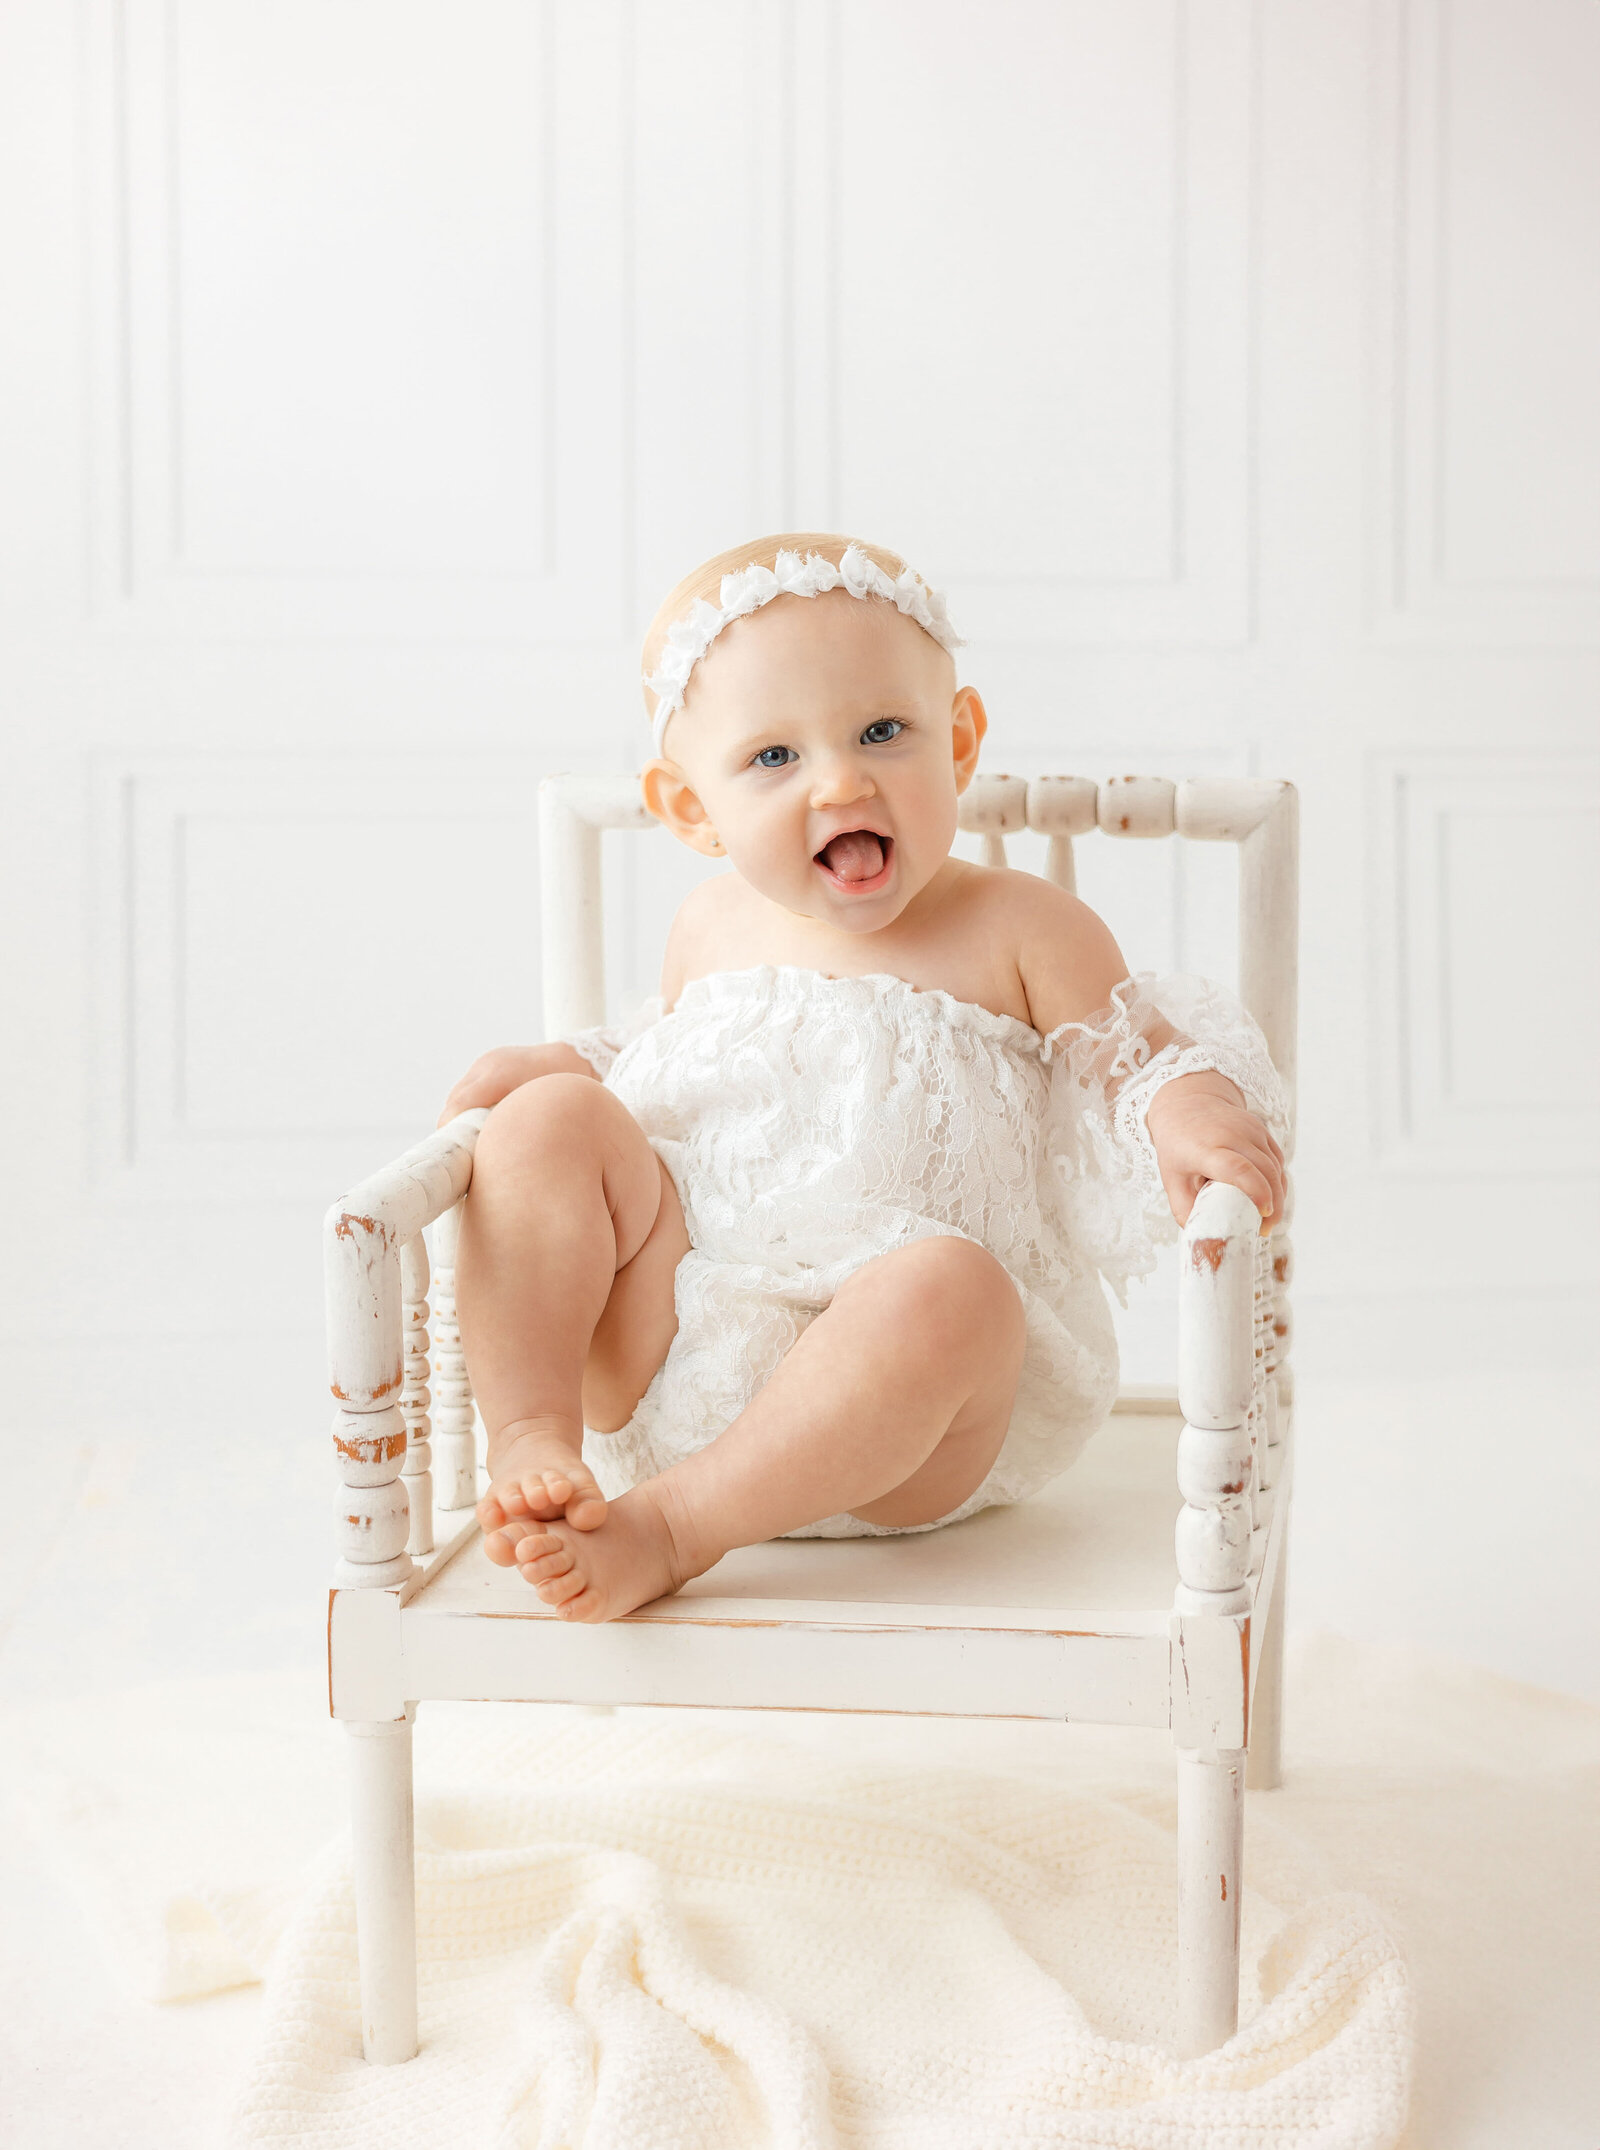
{"x": 960, "y": 1289}
{"x": 553, "y": 1112}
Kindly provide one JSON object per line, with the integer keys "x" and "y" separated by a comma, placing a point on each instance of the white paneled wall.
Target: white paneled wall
{"x": 371, "y": 369}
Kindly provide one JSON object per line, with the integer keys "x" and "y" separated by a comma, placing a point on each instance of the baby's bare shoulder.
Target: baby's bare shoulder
{"x": 707, "y": 919}
{"x": 1025, "y": 907}
{"x": 1065, "y": 954}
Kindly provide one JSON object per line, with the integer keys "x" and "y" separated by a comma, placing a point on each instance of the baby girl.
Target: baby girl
{"x": 814, "y": 1246}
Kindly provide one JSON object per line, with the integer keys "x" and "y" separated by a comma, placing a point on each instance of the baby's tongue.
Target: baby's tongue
{"x": 855, "y": 856}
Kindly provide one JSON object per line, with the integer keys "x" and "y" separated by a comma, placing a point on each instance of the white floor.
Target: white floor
{"x": 1464, "y": 1803}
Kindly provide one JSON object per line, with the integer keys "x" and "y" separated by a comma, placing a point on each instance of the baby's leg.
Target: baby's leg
{"x": 891, "y": 1405}
{"x": 564, "y": 1282}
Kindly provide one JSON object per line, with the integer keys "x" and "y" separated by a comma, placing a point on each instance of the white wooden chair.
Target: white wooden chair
{"x": 1063, "y": 1607}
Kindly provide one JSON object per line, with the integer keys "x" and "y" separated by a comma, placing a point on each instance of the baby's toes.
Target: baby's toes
{"x": 539, "y": 1558}
{"x": 585, "y": 1503}
{"x": 556, "y": 1590}
{"x": 531, "y": 1499}
{"x": 554, "y": 1492}
{"x": 501, "y": 1545}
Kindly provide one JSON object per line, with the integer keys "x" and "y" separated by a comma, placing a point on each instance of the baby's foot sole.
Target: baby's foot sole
{"x": 597, "y": 1575}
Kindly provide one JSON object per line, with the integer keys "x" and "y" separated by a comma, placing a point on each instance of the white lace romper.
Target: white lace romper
{"x": 812, "y": 1123}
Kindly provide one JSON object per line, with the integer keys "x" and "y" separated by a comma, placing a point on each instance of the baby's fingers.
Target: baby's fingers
{"x": 1235, "y": 1168}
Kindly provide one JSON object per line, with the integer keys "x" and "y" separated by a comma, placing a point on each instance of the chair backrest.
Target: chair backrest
{"x": 1260, "y": 815}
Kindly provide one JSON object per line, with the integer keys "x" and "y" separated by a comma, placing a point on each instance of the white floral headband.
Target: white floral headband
{"x": 688, "y": 639}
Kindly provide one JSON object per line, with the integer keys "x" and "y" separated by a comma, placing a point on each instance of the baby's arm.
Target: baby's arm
{"x": 1203, "y": 1131}
{"x": 1199, "y": 1124}
{"x": 495, "y": 1074}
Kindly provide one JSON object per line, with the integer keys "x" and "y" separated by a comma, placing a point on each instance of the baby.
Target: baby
{"x": 815, "y": 1247}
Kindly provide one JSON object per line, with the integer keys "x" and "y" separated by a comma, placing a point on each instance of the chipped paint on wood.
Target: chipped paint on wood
{"x": 372, "y": 1226}
{"x": 1203, "y": 1666}
{"x": 384, "y": 1448}
{"x": 1207, "y": 1254}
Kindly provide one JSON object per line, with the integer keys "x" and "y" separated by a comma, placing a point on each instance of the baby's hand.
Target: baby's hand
{"x": 1202, "y": 1132}
{"x": 494, "y": 1075}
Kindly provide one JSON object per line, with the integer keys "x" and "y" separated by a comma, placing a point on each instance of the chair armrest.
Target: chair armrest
{"x": 370, "y": 1241}
{"x": 361, "y": 1239}
{"x": 1223, "y": 1284}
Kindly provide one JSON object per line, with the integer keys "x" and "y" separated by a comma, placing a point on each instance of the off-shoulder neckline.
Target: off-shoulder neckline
{"x": 971, "y": 1011}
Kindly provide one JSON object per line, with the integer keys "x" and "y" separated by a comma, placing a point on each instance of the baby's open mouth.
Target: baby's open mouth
{"x": 856, "y": 859}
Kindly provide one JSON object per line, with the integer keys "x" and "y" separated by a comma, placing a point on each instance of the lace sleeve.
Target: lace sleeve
{"x": 1100, "y": 1161}
{"x": 601, "y": 1044}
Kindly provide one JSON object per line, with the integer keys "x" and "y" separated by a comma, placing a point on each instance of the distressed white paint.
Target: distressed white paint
{"x": 414, "y": 1395}
{"x": 1210, "y": 1872}
{"x": 472, "y": 1630}
{"x": 994, "y": 809}
{"x": 1136, "y": 806}
{"x": 386, "y": 1919}
{"x": 740, "y": 1662}
{"x": 363, "y": 1239}
{"x": 455, "y": 1419}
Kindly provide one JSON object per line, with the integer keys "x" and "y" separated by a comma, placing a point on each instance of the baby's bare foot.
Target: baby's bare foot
{"x": 536, "y": 1473}
{"x": 642, "y": 1550}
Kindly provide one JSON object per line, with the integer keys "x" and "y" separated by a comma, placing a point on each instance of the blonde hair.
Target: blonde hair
{"x": 705, "y": 581}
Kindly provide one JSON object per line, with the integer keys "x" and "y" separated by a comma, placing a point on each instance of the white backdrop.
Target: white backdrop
{"x": 371, "y": 367}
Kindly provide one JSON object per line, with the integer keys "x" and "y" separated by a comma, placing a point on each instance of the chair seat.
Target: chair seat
{"x": 1097, "y": 1541}
{"x": 1062, "y": 1600}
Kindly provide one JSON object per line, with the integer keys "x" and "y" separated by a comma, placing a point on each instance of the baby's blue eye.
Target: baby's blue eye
{"x": 763, "y": 763}
{"x": 882, "y": 727}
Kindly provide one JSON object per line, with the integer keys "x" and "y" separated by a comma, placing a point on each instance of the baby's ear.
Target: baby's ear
{"x": 674, "y": 802}
{"x": 969, "y": 720}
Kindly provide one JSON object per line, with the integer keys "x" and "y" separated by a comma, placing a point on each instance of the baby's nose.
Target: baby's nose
{"x": 842, "y": 783}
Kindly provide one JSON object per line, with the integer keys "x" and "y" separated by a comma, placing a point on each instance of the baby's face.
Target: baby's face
{"x": 823, "y": 740}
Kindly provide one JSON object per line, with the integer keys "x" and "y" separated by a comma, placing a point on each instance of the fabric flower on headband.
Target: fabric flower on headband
{"x": 790, "y": 575}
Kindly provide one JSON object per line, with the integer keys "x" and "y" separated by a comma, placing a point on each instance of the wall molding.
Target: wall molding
{"x": 152, "y": 1137}
{"x": 1414, "y": 595}
{"x": 564, "y": 580}
{"x": 1204, "y": 594}
{"x": 1428, "y": 1115}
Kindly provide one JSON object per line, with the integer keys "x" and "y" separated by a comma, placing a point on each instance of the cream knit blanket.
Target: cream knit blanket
{"x": 643, "y": 1934}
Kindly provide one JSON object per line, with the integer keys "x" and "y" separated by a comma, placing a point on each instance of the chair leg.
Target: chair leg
{"x": 1210, "y": 1855}
{"x": 386, "y": 1916}
{"x": 1264, "y": 1770}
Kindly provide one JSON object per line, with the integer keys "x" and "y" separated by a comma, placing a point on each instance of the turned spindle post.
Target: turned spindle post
{"x": 369, "y": 1428}
{"x": 365, "y": 1340}
{"x": 1219, "y": 1391}
{"x": 376, "y": 1273}
{"x": 1219, "y": 1382}
{"x": 994, "y": 808}
{"x": 1265, "y": 1771}
{"x": 1137, "y": 806}
{"x": 1263, "y": 819}
{"x": 414, "y": 1394}
{"x": 1060, "y": 808}
{"x": 455, "y": 1437}
{"x": 1269, "y": 933}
